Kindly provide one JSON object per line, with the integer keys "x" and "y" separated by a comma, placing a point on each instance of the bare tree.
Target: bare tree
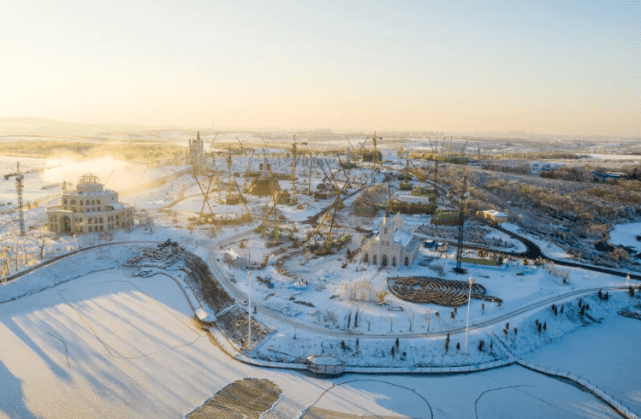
{"x": 565, "y": 275}
{"x": 16, "y": 249}
{"x": 41, "y": 241}
{"x": 428, "y": 318}
{"x": 4, "y": 265}
{"x": 410, "y": 318}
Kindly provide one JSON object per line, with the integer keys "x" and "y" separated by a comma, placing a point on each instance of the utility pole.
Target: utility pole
{"x": 249, "y": 306}
{"x": 294, "y": 161}
{"x": 469, "y": 298}
{"x": 375, "y": 154}
{"x": 459, "y": 247}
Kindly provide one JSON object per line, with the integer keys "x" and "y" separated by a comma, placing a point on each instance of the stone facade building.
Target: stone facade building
{"x": 196, "y": 151}
{"x": 392, "y": 246}
{"x": 90, "y": 208}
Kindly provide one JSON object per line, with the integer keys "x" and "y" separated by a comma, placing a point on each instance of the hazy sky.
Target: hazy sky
{"x": 570, "y": 66}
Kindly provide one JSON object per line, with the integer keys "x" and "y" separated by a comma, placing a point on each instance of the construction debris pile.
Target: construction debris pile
{"x": 164, "y": 256}
{"x": 204, "y": 285}
{"x": 169, "y": 255}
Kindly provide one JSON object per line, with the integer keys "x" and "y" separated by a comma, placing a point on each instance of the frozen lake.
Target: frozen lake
{"x": 113, "y": 345}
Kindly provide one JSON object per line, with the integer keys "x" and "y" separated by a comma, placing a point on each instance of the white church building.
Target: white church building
{"x": 392, "y": 246}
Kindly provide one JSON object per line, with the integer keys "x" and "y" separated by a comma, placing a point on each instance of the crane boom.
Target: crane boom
{"x": 269, "y": 212}
{"x": 242, "y": 199}
{"x": 108, "y": 177}
{"x": 249, "y": 162}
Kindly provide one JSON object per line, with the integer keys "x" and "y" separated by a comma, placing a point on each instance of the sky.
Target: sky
{"x": 563, "y": 67}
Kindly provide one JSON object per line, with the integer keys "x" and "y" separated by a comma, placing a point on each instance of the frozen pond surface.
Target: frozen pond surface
{"x": 113, "y": 345}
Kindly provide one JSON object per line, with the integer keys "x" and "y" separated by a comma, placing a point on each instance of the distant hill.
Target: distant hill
{"x": 48, "y": 127}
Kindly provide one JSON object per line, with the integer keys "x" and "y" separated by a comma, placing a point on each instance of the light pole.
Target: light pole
{"x": 469, "y": 299}
{"x": 249, "y": 335}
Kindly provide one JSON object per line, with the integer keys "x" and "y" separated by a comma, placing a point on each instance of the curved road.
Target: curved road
{"x": 281, "y": 318}
{"x": 533, "y": 250}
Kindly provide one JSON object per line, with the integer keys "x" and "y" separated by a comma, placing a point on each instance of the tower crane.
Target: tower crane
{"x": 375, "y": 155}
{"x": 108, "y": 177}
{"x": 242, "y": 199}
{"x": 249, "y": 162}
{"x": 19, "y": 187}
{"x": 461, "y": 223}
{"x": 294, "y": 161}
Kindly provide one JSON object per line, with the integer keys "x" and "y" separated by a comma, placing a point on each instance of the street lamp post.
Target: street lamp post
{"x": 469, "y": 299}
{"x": 249, "y": 335}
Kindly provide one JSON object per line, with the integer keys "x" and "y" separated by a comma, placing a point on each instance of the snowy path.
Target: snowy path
{"x": 283, "y": 319}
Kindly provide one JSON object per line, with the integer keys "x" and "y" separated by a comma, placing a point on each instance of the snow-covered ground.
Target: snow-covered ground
{"x": 606, "y": 354}
{"x": 113, "y": 345}
{"x": 626, "y": 235}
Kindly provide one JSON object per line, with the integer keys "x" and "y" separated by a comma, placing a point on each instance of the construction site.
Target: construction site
{"x": 277, "y": 239}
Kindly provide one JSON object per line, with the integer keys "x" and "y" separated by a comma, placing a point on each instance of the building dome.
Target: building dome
{"x": 89, "y": 179}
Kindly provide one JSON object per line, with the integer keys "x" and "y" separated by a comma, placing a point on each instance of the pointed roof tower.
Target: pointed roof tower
{"x": 386, "y": 216}
{"x": 398, "y": 222}
{"x": 264, "y": 174}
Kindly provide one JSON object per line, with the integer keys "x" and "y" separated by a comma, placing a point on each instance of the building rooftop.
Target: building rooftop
{"x": 89, "y": 179}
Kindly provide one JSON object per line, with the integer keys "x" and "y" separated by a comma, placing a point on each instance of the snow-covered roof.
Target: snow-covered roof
{"x": 402, "y": 237}
{"x": 495, "y": 213}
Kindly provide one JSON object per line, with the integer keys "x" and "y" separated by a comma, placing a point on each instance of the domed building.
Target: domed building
{"x": 90, "y": 208}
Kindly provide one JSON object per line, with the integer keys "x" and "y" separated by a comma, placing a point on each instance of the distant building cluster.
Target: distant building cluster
{"x": 90, "y": 208}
